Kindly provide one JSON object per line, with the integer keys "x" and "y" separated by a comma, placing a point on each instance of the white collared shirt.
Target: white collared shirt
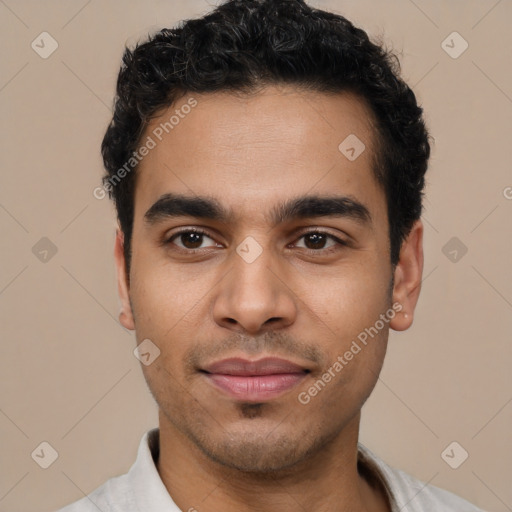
{"x": 142, "y": 490}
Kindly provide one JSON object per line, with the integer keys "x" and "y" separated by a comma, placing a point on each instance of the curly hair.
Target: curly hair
{"x": 243, "y": 45}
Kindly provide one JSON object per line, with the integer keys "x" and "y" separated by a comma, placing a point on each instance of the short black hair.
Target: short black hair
{"x": 244, "y": 45}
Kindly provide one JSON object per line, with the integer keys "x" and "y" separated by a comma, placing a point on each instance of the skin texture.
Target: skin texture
{"x": 251, "y": 153}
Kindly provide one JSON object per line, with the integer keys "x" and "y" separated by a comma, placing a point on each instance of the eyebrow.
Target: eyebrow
{"x": 312, "y": 206}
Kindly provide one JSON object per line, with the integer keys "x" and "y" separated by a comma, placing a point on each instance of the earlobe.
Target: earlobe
{"x": 126, "y": 314}
{"x": 407, "y": 278}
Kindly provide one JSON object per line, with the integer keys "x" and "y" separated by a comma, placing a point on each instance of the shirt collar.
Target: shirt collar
{"x": 148, "y": 490}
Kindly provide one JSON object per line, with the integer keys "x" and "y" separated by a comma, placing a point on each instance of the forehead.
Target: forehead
{"x": 250, "y": 149}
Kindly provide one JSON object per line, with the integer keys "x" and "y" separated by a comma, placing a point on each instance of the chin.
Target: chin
{"x": 257, "y": 457}
{"x": 261, "y": 451}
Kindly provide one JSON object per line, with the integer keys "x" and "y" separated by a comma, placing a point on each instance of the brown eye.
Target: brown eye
{"x": 190, "y": 239}
{"x": 315, "y": 241}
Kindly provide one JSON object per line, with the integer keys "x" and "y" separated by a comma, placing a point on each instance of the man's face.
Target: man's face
{"x": 257, "y": 286}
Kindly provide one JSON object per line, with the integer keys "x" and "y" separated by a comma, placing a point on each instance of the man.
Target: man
{"x": 267, "y": 165}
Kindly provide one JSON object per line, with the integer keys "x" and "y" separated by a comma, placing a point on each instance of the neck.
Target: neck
{"x": 327, "y": 480}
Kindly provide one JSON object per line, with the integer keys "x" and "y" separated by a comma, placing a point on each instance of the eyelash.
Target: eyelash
{"x": 197, "y": 231}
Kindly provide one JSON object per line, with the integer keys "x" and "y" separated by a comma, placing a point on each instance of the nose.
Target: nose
{"x": 253, "y": 296}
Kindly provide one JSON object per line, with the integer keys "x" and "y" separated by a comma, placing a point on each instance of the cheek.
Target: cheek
{"x": 166, "y": 386}
{"x": 350, "y": 299}
{"x": 163, "y": 306}
{"x": 165, "y": 296}
{"x": 355, "y": 357}
{"x": 355, "y": 341}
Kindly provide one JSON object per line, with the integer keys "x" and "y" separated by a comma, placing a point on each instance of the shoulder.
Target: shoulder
{"x": 109, "y": 497}
{"x": 409, "y": 494}
{"x": 417, "y": 496}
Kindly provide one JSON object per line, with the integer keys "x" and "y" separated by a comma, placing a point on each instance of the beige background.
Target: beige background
{"x": 69, "y": 376}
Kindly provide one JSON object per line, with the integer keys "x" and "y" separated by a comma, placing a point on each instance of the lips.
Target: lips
{"x": 266, "y": 366}
{"x": 254, "y": 381}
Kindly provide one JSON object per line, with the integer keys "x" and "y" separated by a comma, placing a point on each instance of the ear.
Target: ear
{"x": 408, "y": 273}
{"x": 126, "y": 314}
